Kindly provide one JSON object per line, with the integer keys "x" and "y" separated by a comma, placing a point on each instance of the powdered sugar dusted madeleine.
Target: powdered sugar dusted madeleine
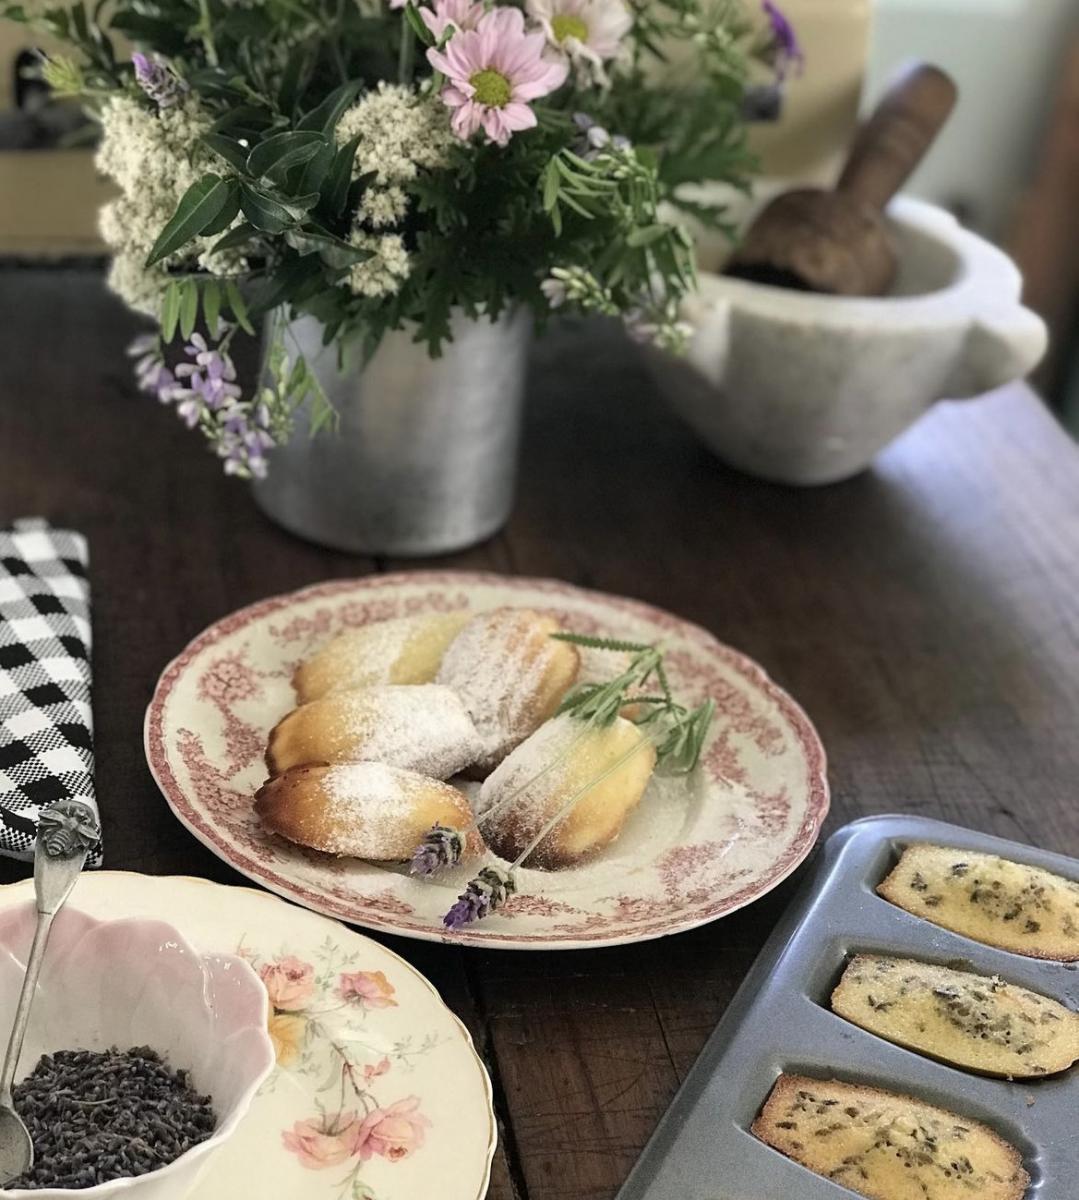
{"x": 572, "y": 756}
{"x": 994, "y": 901}
{"x": 361, "y": 810}
{"x": 511, "y": 675}
{"x": 404, "y": 650}
{"x": 886, "y": 1146}
{"x": 423, "y": 728}
{"x": 972, "y": 1021}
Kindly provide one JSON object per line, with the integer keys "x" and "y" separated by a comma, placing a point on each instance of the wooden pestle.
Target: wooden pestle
{"x": 837, "y": 241}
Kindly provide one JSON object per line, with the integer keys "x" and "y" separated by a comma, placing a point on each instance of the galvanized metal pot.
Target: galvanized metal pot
{"x": 425, "y": 460}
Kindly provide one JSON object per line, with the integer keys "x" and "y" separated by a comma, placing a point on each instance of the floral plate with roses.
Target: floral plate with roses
{"x": 377, "y": 1085}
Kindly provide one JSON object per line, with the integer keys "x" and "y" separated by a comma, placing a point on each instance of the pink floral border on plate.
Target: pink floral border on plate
{"x": 817, "y": 802}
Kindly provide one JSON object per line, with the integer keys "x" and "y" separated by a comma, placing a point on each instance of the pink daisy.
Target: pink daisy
{"x": 461, "y": 14}
{"x": 590, "y": 32}
{"x": 493, "y": 72}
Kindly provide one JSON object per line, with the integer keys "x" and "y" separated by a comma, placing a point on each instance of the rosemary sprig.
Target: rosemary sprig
{"x": 682, "y": 730}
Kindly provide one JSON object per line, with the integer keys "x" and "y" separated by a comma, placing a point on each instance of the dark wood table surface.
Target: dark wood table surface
{"x": 925, "y": 614}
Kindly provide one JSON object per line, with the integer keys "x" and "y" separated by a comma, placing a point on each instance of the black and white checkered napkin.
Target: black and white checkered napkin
{"x": 46, "y": 727}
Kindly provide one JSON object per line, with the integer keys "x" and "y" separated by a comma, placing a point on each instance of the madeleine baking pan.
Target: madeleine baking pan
{"x": 780, "y": 1020}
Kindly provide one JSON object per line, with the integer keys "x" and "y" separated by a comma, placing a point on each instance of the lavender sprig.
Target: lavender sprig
{"x": 158, "y": 80}
{"x": 440, "y": 848}
{"x": 786, "y": 50}
{"x": 206, "y": 396}
{"x": 482, "y": 895}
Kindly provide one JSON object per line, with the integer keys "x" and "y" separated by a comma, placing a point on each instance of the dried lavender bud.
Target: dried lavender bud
{"x": 491, "y": 888}
{"x": 95, "y": 1116}
{"x": 440, "y": 848}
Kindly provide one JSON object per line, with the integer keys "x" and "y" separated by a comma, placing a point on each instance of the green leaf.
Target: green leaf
{"x": 412, "y": 16}
{"x": 211, "y": 305}
{"x": 299, "y": 206}
{"x": 283, "y": 150}
{"x": 238, "y": 307}
{"x": 646, "y": 235}
{"x": 335, "y": 189}
{"x": 170, "y": 310}
{"x": 189, "y": 307}
{"x": 551, "y": 185}
{"x": 324, "y": 118}
{"x": 334, "y": 251}
{"x": 165, "y": 36}
{"x": 227, "y": 214}
{"x": 246, "y": 117}
{"x": 215, "y": 81}
{"x": 289, "y": 91}
{"x": 316, "y": 169}
{"x": 198, "y": 209}
{"x": 239, "y": 236}
{"x": 231, "y": 151}
{"x": 264, "y": 212}
{"x": 286, "y": 282}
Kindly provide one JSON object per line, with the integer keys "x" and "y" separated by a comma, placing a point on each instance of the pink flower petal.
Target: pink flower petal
{"x": 518, "y": 117}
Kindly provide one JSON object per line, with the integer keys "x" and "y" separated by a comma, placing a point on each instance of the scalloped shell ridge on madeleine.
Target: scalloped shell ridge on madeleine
{"x": 405, "y": 650}
{"x": 992, "y": 900}
{"x": 511, "y": 674}
{"x": 422, "y": 728}
{"x": 607, "y": 768}
{"x": 361, "y": 810}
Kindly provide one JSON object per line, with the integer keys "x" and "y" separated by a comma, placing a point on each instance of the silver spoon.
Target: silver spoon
{"x": 67, "y": 832}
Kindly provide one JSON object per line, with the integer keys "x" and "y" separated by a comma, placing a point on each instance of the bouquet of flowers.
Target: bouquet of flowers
{"x": 382, "y": 164}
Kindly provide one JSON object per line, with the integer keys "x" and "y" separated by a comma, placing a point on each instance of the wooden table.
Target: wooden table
{"x": 926, "y": 615}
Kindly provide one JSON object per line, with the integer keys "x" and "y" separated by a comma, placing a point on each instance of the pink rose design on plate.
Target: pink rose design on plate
{"x": 322, "y": 1141}
{"x": 290, "y": 982}
{"x": 374, "y": 1070}
{"x": 370, "y": 988}
{"x": 392, "y": 1132}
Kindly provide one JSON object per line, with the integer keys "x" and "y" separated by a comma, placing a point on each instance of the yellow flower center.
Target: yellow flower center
{"x": 492, "y": 88}
{"x": 566, "y": 25}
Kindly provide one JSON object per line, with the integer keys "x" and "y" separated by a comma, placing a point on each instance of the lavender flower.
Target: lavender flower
{"x": 211, "y": 377}
{"x": 786, "y": 49}
{"x": 659, "y": 327}
{"x": 594, "y": 139}
{"x": 555, "y": 290}
{"x": 158, "y": 80}
{"x": 151, "y": 374}
{"x": 440, "y": 848}
{"x": 488, "y": 891}
{"x": 243, "y": 439}
{"x": 207, "y": 396}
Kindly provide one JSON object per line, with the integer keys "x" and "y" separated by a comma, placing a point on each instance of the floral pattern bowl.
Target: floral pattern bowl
{"x": 378, "y": 1092}
{"x": 134, "y": 982}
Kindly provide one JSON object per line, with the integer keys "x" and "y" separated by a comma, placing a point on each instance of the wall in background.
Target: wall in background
{"x": 1005, "y": 55}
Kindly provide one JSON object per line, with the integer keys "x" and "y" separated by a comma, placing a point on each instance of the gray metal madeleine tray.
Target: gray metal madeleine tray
{"x": 780, "y": 1020}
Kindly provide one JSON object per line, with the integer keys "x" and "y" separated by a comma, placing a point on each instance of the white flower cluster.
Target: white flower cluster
{"x": 401, "y": 133}
{"x": 151, "y": 154}
{"x": 380, "y": 207}
{"x": 383, "y": 273}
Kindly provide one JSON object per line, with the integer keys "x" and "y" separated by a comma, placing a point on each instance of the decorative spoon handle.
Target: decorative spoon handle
{"x": 67, "y": 832}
